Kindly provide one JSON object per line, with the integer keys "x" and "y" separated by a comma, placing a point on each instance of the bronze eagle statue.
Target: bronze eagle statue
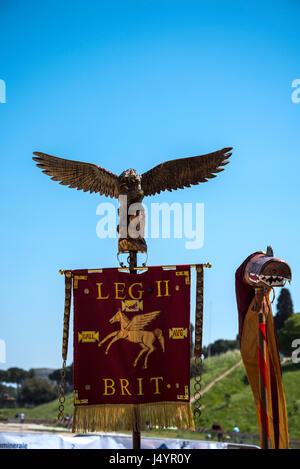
{"x": 170, "y": 175}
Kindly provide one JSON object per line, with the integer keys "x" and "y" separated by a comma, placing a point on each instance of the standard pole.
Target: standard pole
{"x": 262, "y": 366}
{"x": 136, "y": 436}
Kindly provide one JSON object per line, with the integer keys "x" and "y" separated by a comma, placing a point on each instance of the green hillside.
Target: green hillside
{"x": 213, "y": 367}
{"x": 47, "y": 411}
{"x": 228, "y": 402}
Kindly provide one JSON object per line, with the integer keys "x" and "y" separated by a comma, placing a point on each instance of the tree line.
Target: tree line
{"x": 21, "y": 388}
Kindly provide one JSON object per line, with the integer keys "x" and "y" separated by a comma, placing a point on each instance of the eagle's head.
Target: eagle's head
{"x": 130, "y": 176}
{"x": 130, "y": 179}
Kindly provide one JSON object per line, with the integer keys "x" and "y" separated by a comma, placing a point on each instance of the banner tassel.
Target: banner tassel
{"x": 123, "y": 417}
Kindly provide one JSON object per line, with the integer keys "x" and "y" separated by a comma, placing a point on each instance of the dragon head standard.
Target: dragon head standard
{"x": 265, "y": 270}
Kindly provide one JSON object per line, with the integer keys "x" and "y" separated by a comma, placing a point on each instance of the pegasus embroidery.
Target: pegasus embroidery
{"x": 132, "y": 330}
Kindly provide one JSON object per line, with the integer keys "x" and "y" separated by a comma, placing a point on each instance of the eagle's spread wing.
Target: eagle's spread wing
{"x": 184, "y": 172}
{"x": 75, "y": 174}
{"x": 139, "y": 321}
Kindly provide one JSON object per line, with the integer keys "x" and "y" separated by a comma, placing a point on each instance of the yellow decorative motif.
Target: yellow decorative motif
{"x": 132, "y": 305}
{"x": 186, "y": 274}
{"x": 178, "y": 333}
{"x": 184, "y": 396}
{"x": 88, "y": 336}
{"x": 78, "y": 277}
{"x": 78, "y": 401}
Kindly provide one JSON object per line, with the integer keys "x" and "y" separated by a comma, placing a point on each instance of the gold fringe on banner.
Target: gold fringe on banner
{"x": 114, "y": 417}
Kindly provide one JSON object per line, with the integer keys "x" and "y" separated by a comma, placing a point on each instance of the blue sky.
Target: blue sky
{"x": 133, "y": 83}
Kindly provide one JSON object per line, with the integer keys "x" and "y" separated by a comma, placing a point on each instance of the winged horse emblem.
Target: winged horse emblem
{"x": 132, "y": 330}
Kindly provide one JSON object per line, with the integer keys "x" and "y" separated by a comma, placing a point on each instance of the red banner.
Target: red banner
{"x": 131, "y": 349}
